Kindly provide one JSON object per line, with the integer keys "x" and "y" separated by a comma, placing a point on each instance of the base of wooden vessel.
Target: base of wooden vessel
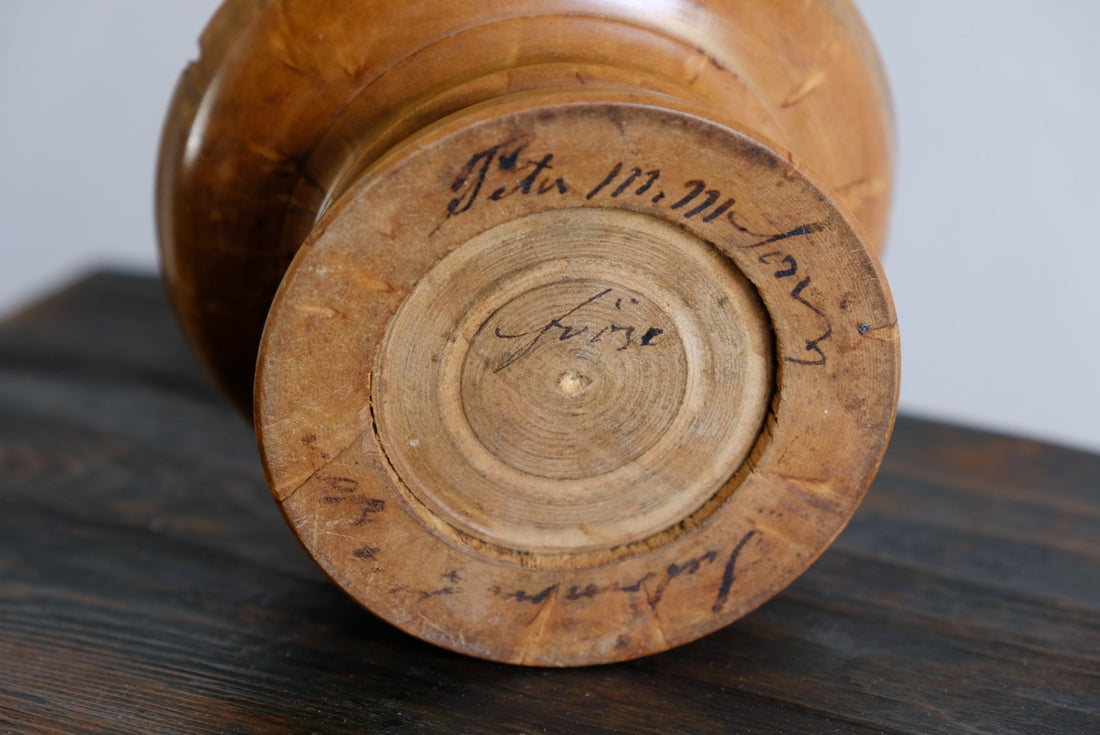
{"x": 572, "y": 378}
{"x": 575, "y": 380}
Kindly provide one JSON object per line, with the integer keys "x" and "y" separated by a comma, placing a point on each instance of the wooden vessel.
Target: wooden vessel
{"x": 577, "y": 346}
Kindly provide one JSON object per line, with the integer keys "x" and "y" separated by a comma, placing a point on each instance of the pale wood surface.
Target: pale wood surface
{"x": 577, "y": 372}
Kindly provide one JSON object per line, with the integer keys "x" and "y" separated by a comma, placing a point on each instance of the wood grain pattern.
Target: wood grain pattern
{"x": 374, "y": 436}
{"x": 299, "y": 97}
{"x": 148, "y": 584}
{"x": 582, "y": 349}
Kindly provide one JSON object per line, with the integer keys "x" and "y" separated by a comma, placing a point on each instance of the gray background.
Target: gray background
{"x": 993, "y": 254}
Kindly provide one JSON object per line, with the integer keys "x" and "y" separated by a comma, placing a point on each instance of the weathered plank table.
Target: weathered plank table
{"x": 148, "y": 584}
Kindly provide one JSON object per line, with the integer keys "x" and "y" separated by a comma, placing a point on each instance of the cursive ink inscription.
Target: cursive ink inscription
{"x": 345, "y": 491}
{"x": 503, "y": 170}
{"x": 812, "y": 345}
{"x": 709, "y": 204}
{"x": 697, "y": 200}
{"x": 535, "y": 598}
{"x": 652, "y": 585}
{"x": 506, "y": 169}
{"x": 572, "y": 325}
{"x": 728, "y": 576}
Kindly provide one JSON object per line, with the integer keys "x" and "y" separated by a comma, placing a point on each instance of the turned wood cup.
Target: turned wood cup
{"x": 561, "y": 320}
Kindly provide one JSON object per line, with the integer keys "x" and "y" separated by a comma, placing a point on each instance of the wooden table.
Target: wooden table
{"x": 149, "y": 585}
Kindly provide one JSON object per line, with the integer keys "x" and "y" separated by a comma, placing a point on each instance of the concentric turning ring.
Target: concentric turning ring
{"x": 573, "y": 380}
